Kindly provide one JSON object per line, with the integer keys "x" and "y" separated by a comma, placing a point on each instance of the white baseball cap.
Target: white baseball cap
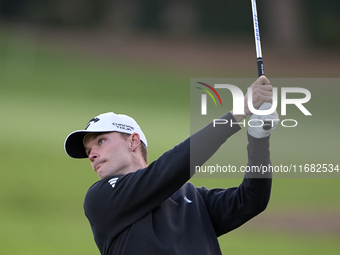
{"x": 106, "y": 122}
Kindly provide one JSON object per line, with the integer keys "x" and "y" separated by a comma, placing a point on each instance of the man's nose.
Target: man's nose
{"x": 93, "y": 155}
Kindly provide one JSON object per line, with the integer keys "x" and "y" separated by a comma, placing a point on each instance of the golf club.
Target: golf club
{"x": 260, "y": 69}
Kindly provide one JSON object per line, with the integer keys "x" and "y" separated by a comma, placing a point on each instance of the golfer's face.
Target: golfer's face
{"x": 108, "y": 153}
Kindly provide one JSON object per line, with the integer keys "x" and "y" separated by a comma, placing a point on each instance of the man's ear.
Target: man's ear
{"x": 134, "y": 141}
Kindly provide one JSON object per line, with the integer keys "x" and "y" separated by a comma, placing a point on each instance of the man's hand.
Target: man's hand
{"x": 262, "y": 92}
{"x": 256, "y": 130}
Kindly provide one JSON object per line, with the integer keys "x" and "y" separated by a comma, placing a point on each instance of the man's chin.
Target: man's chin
{"x": 101, "y": 174}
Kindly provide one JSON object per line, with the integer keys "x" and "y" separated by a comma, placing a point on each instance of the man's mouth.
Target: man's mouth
{"x": 97, "y": 166}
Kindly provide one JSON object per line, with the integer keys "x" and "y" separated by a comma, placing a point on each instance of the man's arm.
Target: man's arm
{"x": 232, "y": 207}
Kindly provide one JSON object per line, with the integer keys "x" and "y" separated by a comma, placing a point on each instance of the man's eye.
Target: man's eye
{"x": 100, "y": 141}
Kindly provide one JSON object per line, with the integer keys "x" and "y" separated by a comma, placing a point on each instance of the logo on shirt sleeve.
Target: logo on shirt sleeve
{"x": 187, "y": 200}
{"x": 113, "y": 181}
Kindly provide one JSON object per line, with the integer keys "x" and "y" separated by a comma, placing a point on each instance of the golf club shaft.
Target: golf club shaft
{"x": 260, "y": 69}
{"x": 257, "y": 39}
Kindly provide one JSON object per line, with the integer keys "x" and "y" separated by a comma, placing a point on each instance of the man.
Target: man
{"x": 144, "y": 209}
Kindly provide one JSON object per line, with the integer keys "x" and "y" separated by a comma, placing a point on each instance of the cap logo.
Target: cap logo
{"x": 94, "y": 120}
{"x": 123, "y": 126}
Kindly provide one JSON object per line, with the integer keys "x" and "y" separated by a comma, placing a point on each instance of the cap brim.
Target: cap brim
{"x": 74, "y": 146}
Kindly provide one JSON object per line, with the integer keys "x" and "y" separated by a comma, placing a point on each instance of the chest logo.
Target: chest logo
{"x": 113, "y": 181}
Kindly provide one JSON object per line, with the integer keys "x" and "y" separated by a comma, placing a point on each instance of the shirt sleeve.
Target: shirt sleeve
{"x": 232, "y": 207}
{"x": 116, "y": 202}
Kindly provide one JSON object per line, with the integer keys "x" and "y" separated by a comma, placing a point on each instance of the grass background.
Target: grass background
{"x": 45, "y": 94}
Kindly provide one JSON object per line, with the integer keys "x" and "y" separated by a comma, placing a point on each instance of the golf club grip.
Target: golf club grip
{"x": 260, "y": 66}
{"x": 266, "y": 125}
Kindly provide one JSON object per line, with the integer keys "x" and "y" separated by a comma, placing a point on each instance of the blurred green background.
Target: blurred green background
{"x": 63, "y": 63}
